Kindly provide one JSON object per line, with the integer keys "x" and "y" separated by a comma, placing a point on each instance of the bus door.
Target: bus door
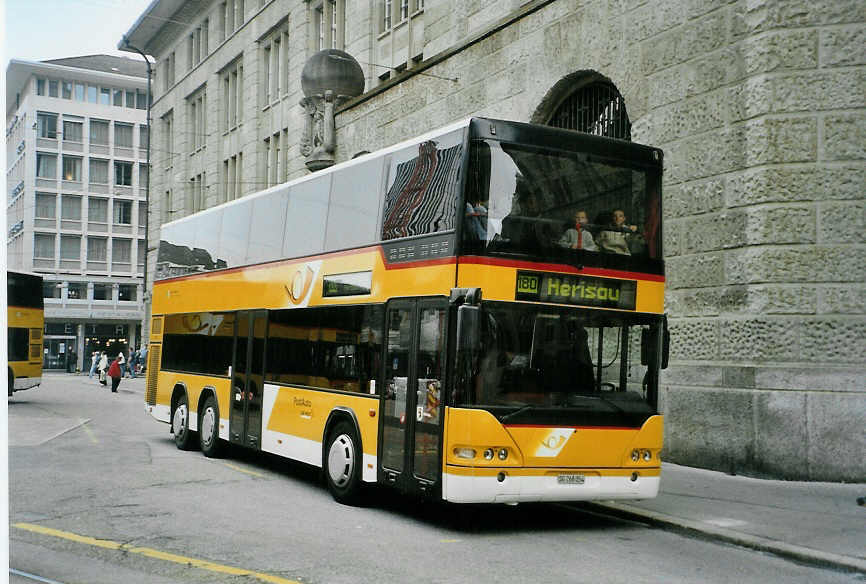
{"x": 245, "y": 422}
{"x": 411, "y": 419}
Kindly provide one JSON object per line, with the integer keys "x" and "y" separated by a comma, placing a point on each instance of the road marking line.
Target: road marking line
{"x": 90, "y": 433}
{"x": 450, "y": 540}
{"x": 243, "y": 470}
{"x": 33, "y": 576}
{"x": 153, "y": 553}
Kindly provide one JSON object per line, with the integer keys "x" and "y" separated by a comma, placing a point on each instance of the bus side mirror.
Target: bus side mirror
{"x": 649, "y": 349}
{"x": 468, "y": 328}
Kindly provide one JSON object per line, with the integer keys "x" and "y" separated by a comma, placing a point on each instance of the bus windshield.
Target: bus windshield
{"x": 570, "y": 206}
{"x": 542, "y": 360}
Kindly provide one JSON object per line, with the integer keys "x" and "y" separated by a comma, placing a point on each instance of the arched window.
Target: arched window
{"x": 595, "y": 108}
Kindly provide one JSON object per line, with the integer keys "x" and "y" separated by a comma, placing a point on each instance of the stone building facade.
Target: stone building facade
{"x": 759, "y": 107}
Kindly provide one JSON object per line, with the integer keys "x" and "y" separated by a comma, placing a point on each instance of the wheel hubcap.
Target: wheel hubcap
{"x": 208, "y": 422}
{"x": 341, "y": 460}
{"x": 178, "y": 424}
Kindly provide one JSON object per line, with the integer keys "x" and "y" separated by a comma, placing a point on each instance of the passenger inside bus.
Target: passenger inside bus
{"x": 578, "y": 236}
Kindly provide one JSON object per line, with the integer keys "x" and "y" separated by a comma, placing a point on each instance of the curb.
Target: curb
{"x": 755, "y": 542}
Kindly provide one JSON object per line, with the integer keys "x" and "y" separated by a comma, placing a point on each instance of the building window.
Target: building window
{"x": 121, "y": 251}
{"x": 140, "y": 100}
{"x": 53, "y": 88}
{"x": 46, "y": 206}
{"x": 40, "y": 86}
{"x": 386, "y": 15}
{"x": 404, "y": 10}
{"x": 118, "y": 97}
{"x": 168, "y": 138}
{"x": 126, "y": 292}
{"x": 196, "y": 199}
{"x": 101, "y": 291}
{"x": 46, "y": 165}
{"x": 168, "y": 72}
{"x": 46, "y": 125}
{"x": 329, "y": 25}
{"x": 122, "y": 135}
{"x": 43, "y": 246}
{"x": 79, "y": 92}
{"x": 142, "y": 253}
{"x": 99, "y": 132}
{"x": 232, "y": 81}
{"x": 98, "y": 171}
{"x": 105, "y": 96}
{"x": 97, "y": 210}
{"x": 142, "y": 176}
{"x": 92, "y": 94}
{"x": 594, "y": 108}
{"x": 70, "y": 207}
{"x": 232, "y": 175}
{"x": 66, "y": 89}
{"x": 73, "y": 131}
{"x": 197, "y": 121}
{"x": 70, "y": 247}
{"x": 142, "y": 214}
{"x": 71, "y": 168}
{"x": 130, "y": 99}
{"x": 76, "y": 290}
{"x": 122, "y": 173}
{"x": 97, "y": 249}
{"x": 122, "y": 212}
{"x": 232, "y": 16}
{"x": 143, "y": 137}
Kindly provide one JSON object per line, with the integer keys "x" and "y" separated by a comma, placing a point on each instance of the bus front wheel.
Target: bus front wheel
{"x": 183, "y": 436}
{"x": 342, "y": 463}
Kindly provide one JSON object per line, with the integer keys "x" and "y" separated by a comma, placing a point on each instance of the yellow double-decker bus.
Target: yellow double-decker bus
{"x": 430, "y": 317}
{"x": 25, "y": 314}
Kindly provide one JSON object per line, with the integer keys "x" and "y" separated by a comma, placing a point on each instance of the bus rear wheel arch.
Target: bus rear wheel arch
{"x": 342, "y": 458}
{"x": 184, "y": 438}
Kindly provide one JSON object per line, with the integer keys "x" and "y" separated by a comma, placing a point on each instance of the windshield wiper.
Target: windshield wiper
{"x": 517, "y": 411}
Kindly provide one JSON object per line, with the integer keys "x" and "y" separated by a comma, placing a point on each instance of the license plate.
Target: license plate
{"x": 570, "y": 479}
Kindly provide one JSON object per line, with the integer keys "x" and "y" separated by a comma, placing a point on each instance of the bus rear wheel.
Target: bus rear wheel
{"x": 208, "y": 429}
{"x": 342, "y": 463}
{"x": 183, "y": 436}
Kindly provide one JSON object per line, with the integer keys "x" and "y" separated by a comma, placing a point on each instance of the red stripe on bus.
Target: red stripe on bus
{"x": 551, "y": 427}
{"x": 488, "y": 261}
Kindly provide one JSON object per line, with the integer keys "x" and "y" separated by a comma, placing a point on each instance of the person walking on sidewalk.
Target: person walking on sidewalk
{"x": 133, "y": 362}
{"x": 94, "y": 362}
{"x": 103, "y": 367}
{"x": 115, "y": 373}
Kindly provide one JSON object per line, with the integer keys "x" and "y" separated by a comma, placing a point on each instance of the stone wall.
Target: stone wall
{"x": 760, "y": 110}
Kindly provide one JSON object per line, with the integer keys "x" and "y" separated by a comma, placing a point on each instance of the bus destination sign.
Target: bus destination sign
{"x": 574, "y": 289}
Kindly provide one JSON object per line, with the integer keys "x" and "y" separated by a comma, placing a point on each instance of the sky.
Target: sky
{"x": 36, "y": 30}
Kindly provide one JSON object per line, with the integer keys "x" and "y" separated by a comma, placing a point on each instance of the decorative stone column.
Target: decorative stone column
{"x": 329, "y": 78}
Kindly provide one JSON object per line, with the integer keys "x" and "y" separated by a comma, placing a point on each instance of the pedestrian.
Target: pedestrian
{"x": 133, "y": 361}
{"x": 103, "y": 367}
{"x": 143, "y": 358}
{"x": 94, "y": 361}
{"x": 115, "y": 373}
{"x": 122, "y": 363}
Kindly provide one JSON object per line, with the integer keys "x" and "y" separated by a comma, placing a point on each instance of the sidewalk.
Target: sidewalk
{"x": 814, "y": 523}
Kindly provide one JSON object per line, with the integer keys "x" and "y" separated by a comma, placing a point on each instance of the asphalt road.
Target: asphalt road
{"x": 99, "y": 494}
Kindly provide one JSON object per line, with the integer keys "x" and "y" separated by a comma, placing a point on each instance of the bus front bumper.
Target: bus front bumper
{"x": 508, "y": 485}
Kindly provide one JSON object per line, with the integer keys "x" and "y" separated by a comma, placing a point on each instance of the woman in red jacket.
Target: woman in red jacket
{"x": 115, "y": 374}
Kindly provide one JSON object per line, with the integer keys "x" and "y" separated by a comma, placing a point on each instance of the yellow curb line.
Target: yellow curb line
{"x": 152, "y": 553}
